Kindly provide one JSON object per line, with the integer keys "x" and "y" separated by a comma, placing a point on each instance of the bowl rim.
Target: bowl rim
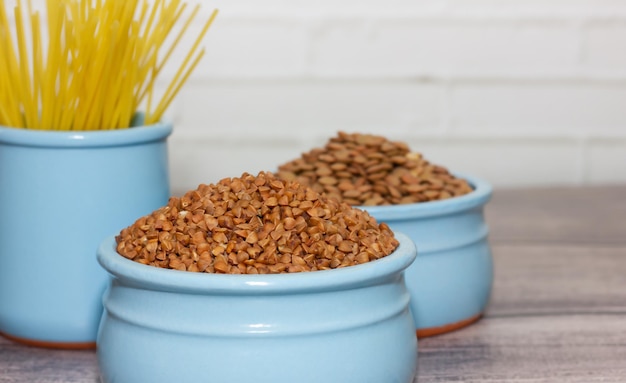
{"x": 153, "y": 278}
{"x": 478, "y": 197}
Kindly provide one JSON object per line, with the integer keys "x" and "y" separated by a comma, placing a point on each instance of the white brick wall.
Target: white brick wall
{"x": 405, "y": 46}
{"x": 520, "y": 92}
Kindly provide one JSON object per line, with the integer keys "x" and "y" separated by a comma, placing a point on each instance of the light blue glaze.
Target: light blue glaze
{"x": 344, "y": 325}
{"x": 451, "y": 279}
{"x": 61, "y": 193}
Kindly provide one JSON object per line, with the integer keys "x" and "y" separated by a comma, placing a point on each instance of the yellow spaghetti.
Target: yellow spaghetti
{"x": 99, "y": 65}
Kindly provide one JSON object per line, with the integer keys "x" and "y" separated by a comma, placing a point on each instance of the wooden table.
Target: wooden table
{"x": 557, "y": 314}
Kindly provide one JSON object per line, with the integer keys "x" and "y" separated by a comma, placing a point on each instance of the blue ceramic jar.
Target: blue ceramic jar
{"x": 450, "y": 282}
{"x": 345, "y": 325}
{"x": 61, "y": 193}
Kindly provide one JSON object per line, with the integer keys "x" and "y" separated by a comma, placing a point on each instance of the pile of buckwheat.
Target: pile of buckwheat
{"x": 255, "y": 225}
{"x": 368, "y": 170}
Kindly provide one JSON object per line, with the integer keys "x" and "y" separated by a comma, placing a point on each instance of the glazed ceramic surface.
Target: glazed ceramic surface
{"x": 344, "y": 325}
{"x": 450, "y": 282}
{"x": 61, "y": 193}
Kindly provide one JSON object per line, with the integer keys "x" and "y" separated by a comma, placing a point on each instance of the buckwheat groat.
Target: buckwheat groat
{"x": 255, "y": 225}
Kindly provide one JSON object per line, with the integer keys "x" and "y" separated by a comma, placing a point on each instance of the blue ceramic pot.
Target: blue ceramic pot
{"x": 336, "y": 326}
{"x": 61, "y": 193}
{"x": 450, "y": 282}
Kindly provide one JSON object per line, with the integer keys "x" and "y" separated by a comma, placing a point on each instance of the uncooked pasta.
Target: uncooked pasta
{"x": 98, "y": 65}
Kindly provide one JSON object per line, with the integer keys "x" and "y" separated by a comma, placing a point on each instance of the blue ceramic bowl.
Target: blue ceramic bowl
{"x": 450, "y": 282}
{"x": 336, "y": 326}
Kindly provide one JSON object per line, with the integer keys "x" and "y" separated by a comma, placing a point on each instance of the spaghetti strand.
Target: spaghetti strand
{"x": 91, "y": 64}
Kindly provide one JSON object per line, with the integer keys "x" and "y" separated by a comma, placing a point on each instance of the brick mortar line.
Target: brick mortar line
{"x": 542, "y": 16}
{"x": 442, "y": 80}
{"x": 198, "y": 137}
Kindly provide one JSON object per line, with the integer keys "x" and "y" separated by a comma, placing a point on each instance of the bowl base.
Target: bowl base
{"x": 432, "y": 331}
{"x": 47, "y": 344}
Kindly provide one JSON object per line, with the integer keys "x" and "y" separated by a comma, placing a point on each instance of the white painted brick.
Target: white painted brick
{"x": 604, "y": 46}
{"x": 606, "y": 161}
{"x": 406, "y": 47}
{"x": 535, "y": 108}
{"x": 506, "y": 162}
{"x": 308, "y": 108}
{"x": 245, "y": 48}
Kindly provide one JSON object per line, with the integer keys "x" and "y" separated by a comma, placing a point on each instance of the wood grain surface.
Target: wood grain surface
{"x": 590, "y": 215}
{"x": 558, "y": 307}
{"x": 557, "y": 313}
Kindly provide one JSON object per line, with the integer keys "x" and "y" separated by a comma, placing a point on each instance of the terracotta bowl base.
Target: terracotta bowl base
{"x": 56, "y": 345}
{"x": 432, "y": 331}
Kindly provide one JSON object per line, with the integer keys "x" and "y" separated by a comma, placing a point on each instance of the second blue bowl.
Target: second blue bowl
{"x": 450, "y": 282}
